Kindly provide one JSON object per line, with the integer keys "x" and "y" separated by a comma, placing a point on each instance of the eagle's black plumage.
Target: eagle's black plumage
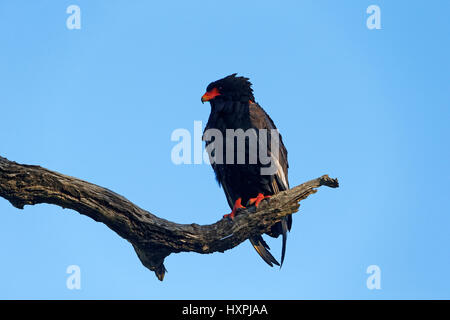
{"x": 233, "y": 106}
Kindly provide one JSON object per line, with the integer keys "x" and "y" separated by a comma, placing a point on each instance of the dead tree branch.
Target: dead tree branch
{"x": 153, "y": 238}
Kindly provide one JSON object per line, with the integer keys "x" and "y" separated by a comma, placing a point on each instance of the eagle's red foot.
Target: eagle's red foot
{"x": 260, "y": 197}
{"x": 237, "y": 205}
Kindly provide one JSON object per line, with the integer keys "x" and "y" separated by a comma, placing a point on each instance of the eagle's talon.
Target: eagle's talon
{"x": 237, "y": 205}
{"x": 256, "y": 201}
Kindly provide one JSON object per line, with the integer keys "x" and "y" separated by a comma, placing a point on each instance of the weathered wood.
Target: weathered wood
{"x": 153, "y": 238}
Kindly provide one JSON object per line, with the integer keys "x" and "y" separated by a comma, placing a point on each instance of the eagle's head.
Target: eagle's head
{"x": 230, "y": 88}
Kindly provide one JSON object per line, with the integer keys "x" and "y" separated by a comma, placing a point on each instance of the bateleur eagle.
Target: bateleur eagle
{"x": 233, "y": 106}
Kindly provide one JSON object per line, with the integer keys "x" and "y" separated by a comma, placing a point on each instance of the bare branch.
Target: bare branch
{"x": 153, "y": 238}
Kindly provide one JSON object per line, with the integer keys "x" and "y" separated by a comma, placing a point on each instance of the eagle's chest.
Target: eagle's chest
{"x": 231, "y": 142}
{"x": 232, "y": 116}
{"x": 227, "y": 137}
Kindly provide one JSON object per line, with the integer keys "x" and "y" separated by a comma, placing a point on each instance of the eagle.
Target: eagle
{"x": 253, "y": 178}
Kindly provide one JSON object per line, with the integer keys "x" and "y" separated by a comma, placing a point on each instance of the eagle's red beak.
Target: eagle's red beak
{"x": 211, "y": 94}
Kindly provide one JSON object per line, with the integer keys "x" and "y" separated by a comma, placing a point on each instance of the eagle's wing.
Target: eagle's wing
{"x": 261, "y": 120}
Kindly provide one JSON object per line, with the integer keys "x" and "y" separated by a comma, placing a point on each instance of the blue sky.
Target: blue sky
{"x": 370, "y": 107}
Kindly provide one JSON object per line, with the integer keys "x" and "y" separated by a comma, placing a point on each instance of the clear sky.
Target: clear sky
{"x": 370, "y": 107}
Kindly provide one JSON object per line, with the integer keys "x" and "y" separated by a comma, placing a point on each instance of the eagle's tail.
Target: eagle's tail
{"x": 284, "y": 230}
{"x": 263, "y": 250}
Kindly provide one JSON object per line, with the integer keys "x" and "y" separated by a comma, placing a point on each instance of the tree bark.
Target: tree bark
{"x": 153, "y": 238}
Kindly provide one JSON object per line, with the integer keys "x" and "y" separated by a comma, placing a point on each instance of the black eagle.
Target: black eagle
{"x": 233, "y": 106}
